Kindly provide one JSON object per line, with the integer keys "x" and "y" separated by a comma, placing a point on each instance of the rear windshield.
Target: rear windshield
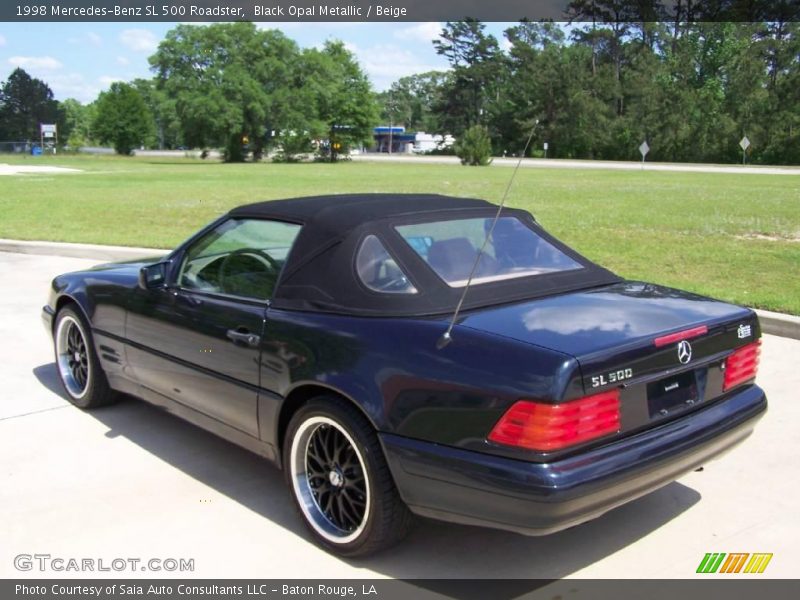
{"x": 514, "y": 250}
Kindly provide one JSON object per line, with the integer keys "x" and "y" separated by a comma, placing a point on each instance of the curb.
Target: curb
{"x": 773, "y": 323}
{"x": 779, "y": 324}
{"x": 90, "y": 251}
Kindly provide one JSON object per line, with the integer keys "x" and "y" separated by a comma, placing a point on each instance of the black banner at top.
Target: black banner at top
{"x": 399, "y": 10}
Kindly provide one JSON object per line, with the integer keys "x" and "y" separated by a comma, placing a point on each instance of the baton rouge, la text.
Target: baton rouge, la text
{"x": 327, "y": 590}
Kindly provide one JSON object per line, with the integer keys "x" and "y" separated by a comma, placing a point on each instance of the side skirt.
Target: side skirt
{"x": 210, "y": 424}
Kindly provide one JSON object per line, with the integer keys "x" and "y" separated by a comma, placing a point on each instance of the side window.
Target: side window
{"x": 240, "y": 257}
{"x": 379, "y": 271}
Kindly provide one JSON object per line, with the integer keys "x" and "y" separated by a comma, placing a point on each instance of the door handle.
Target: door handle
{"x": 244, "y": 337}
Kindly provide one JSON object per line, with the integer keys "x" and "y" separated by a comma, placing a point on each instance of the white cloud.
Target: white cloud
{"x": 88, "y": 39}
{"x": 75, "y": 85}
{"x": 3, "y": 41}
{"x": 123, "y": 60}
{"x": 386, "y": 63}
{"x": 420, "y": 32}
{"x": 107, "y": 80}
{"x": 139, "y": 40}
{"x": 43, "y": 63}
{"x": 319, "y": 26}
{"x": 72, "y": 85}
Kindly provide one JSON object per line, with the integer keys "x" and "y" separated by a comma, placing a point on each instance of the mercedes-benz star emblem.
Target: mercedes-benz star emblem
{"x": 684, "y": 352}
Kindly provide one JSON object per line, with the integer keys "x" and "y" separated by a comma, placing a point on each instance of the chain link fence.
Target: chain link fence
{"x": 26, "y": 147}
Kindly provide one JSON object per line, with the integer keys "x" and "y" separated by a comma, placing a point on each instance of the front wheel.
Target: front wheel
{"x": 78, "y": 366}
{"x": 339, "y": 479}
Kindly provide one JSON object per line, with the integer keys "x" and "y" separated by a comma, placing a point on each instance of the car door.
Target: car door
{"x": 197, "y": 340}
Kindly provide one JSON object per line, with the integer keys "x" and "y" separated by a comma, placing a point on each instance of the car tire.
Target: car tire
{"x": 77, "y": 364}
{"x": 339, "y": 479}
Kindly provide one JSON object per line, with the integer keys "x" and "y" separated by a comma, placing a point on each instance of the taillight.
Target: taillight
{"x": 539, "y": 426}
{"x": 742, "y": 365}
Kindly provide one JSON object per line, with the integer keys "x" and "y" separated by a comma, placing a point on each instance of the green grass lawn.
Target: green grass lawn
{"x": 735, "y": 237}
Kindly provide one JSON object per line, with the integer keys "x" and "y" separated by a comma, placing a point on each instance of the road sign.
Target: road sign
{"x": 545, "y": 145}
{"x": 48, "y": 128}
{"x": 644, "y": 149}
{"x": 744, "y": 143}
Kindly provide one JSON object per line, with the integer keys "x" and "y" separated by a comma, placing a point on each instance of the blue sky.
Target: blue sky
{"x": 79, "y": 60}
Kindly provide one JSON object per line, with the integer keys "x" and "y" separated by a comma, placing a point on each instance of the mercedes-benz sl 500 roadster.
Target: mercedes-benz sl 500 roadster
{"x": 317, "y": 333}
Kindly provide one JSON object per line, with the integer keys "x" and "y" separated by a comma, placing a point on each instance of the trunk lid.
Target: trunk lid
{"x": 612, "y": 332}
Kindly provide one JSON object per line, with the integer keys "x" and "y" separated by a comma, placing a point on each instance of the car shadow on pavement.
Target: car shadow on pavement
{"x": 433, "y": 550}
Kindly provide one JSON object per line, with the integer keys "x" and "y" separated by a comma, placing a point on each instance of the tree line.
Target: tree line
{"x": 692, "y": 90}
{"x": 593, "y": 89}
{"x": 230, "y": 86}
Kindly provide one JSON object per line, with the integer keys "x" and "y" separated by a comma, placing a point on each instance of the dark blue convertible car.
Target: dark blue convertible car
{"x": 311, "y": 331}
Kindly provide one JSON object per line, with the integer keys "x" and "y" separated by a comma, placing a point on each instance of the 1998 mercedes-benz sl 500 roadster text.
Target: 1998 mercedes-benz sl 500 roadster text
{"x": 310, "y": 331}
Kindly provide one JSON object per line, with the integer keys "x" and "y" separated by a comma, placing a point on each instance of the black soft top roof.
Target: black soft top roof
{"x": 320, "y": 274}
{"x": 342, "y": 213}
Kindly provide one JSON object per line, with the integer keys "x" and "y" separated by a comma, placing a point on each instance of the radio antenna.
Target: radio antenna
{"x": 446, "y": 337}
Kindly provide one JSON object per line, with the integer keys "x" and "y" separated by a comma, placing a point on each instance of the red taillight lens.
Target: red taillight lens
{"x": 742, "y": 365}
{"x": 539, "y": 426}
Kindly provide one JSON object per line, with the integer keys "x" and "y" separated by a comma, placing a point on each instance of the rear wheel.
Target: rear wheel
{"x": 339, "y": 479}
{"x": 78, "y": 367}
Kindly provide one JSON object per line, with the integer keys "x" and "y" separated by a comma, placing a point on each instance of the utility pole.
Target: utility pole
{"x": 391, "y": 120}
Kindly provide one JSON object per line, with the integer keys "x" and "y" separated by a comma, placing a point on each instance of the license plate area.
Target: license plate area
{"x": 672, "y": 394}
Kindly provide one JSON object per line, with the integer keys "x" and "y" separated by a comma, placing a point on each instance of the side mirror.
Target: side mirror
{"x": 153, "y": 276}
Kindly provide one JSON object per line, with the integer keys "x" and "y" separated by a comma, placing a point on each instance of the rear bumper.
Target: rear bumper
{"x": 468, "y": 487}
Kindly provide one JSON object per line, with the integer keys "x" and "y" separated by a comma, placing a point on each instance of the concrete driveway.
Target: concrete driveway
{"x": 131, "y": 481}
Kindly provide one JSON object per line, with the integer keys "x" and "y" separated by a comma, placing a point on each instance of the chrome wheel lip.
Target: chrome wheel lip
{"x": 302, "y": 488}
{"x": 65, "y": 357}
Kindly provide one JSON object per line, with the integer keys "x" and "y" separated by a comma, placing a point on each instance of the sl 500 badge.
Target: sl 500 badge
{"x": 612, "y": 377}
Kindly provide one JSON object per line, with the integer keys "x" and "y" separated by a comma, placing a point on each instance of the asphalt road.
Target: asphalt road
{"x": 537, "y": 163}
{"x": 561, "y": 163}
{"x": 130, "y": 481}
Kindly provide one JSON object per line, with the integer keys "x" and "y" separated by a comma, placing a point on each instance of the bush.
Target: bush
{"x": 474, "y": 147}
{"x": 75, "y": 142}
{"x": 292, "y": 147}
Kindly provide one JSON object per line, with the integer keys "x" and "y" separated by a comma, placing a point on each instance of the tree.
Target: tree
{"x": 474, "y": 147}
{"x": 123, "y": 118}
{"x": 478, "y": 74}
{"x": 167, "y": 125}
{"x": 78, "y": 119}
{"x": 553, "y": 85}
{"x": 778, "y": 43}
{"x": 25, "y": 103}
{"x": 339, "y": 95}
{"x": 230, "y": 82}
{"x": 411, "y": 101}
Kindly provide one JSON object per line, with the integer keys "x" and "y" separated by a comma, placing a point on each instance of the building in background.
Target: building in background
{"x": 396, "y": 140}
